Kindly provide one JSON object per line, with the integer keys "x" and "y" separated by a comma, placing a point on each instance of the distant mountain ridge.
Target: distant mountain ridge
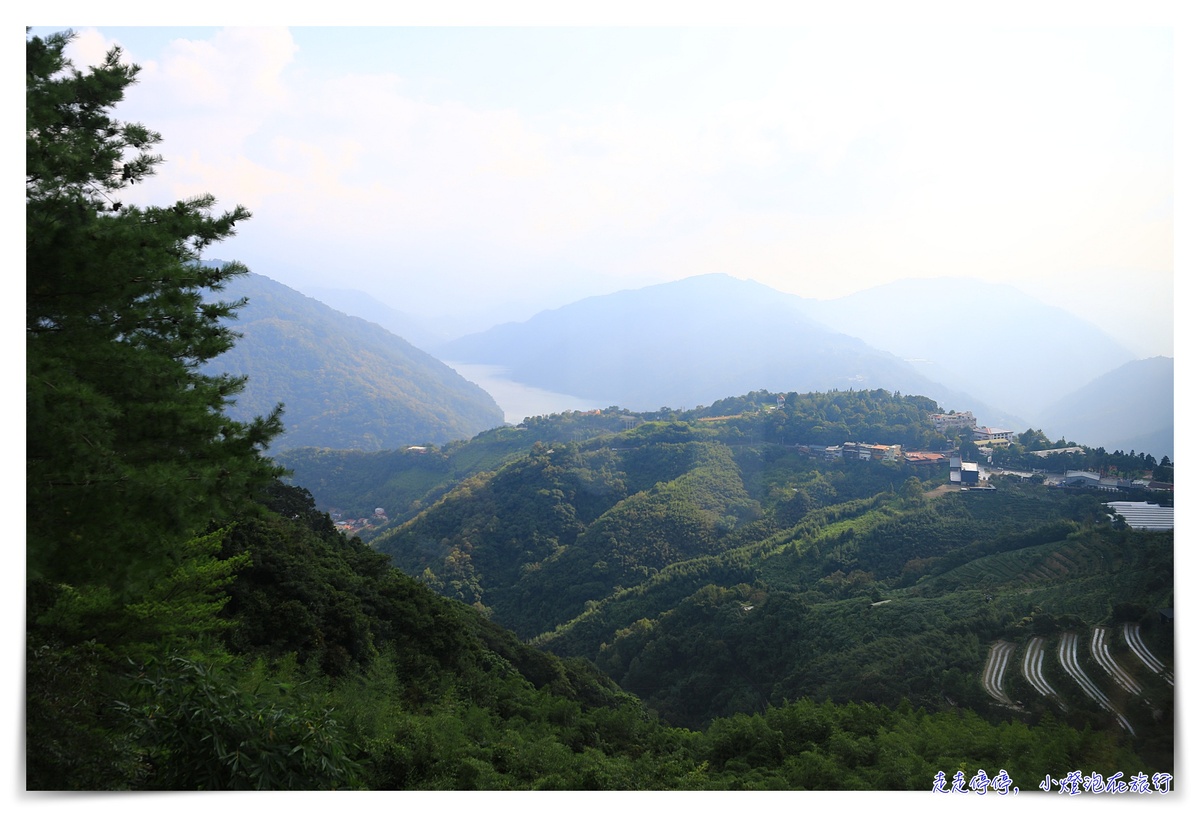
{"x": 991, "y": 340}
{"x": 689, "y": 342}
{"x": 420, "y": 331}
{"x": 968, "y": 344}
{"x": 345, "y": 382}
{"x": 1099, "y": 413}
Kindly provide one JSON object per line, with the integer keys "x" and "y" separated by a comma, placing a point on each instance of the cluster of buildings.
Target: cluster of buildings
{"x": 967, "y": 473}
{"x": 966, "y": 419}
{"x": 1090, "y": 479}
{"x": 353, "y": 526}
{"x": 874, "y": 451}
{"x": 853, "y": 451}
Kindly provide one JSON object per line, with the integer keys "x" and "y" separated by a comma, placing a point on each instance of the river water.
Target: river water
{"x": 519, "y": 400}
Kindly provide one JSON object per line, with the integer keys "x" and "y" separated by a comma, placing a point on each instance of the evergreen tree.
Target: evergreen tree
{"x": 131, "y": 462}
{"x": 129, "y": 451}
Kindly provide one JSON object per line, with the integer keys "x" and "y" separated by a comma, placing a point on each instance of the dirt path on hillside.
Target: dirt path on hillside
{"x": 941, "y": 489}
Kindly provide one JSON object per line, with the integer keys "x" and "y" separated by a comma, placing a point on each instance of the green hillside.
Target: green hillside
{"x": 711, "y": 575}
{"x": 405, "y": 480}
{"x": 344, "y": 383}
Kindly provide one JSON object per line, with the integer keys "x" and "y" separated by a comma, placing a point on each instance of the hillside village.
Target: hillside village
{"x": 975, "y": 475}
{"x": 354, "y": 526}
{"x": 961, "y": 471}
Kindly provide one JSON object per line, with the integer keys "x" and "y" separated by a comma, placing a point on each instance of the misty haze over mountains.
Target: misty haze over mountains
{"x": 1128, "y": 409}
{"x": 688, "y": 343}
{"x": 422, "y": 330}
{"x": 972, "y": 346}
{"x": 991, "y": 340}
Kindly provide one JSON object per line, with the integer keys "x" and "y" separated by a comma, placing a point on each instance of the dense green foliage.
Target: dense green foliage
{"x": 359, "y": 676}
{"x": 831, "y": 418}
{"x": 128, "y": 448}
{"x": 404, "y": 481}
{"x": 565, "y": 525}
{"x": 712, "y": 576}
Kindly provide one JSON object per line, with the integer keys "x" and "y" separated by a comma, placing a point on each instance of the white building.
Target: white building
{"x": 959, "y": 419}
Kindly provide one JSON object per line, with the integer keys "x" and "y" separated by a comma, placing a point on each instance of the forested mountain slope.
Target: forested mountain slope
{"x": 403, "y": 481}
{"x": 344, "y": 383}
{"x": 712, "y": 575}
{"x": 604, "y": 512}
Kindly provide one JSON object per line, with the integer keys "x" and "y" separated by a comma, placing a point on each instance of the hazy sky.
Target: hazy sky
{"x": 515, "y": 169}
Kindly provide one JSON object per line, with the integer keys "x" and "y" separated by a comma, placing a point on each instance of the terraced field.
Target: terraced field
{"x": 993, "y": 673}
{"x": 1036, "y": 566}
{"x": 1102, "y": 656}
{"x": 1133, "y": 637}
{"x": 1031, "y": 669}
{"x": 1068, "y": 656}
{"x": 1118, "y": 683}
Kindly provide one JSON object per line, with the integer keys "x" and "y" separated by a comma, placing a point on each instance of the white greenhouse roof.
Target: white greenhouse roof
{"x": 1144, "y": 516}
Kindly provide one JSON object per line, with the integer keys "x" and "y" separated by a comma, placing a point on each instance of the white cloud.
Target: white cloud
{"x": 240, "y": 69}
{"x": 88, "y": 48}
{"x": 822, "y": 162}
